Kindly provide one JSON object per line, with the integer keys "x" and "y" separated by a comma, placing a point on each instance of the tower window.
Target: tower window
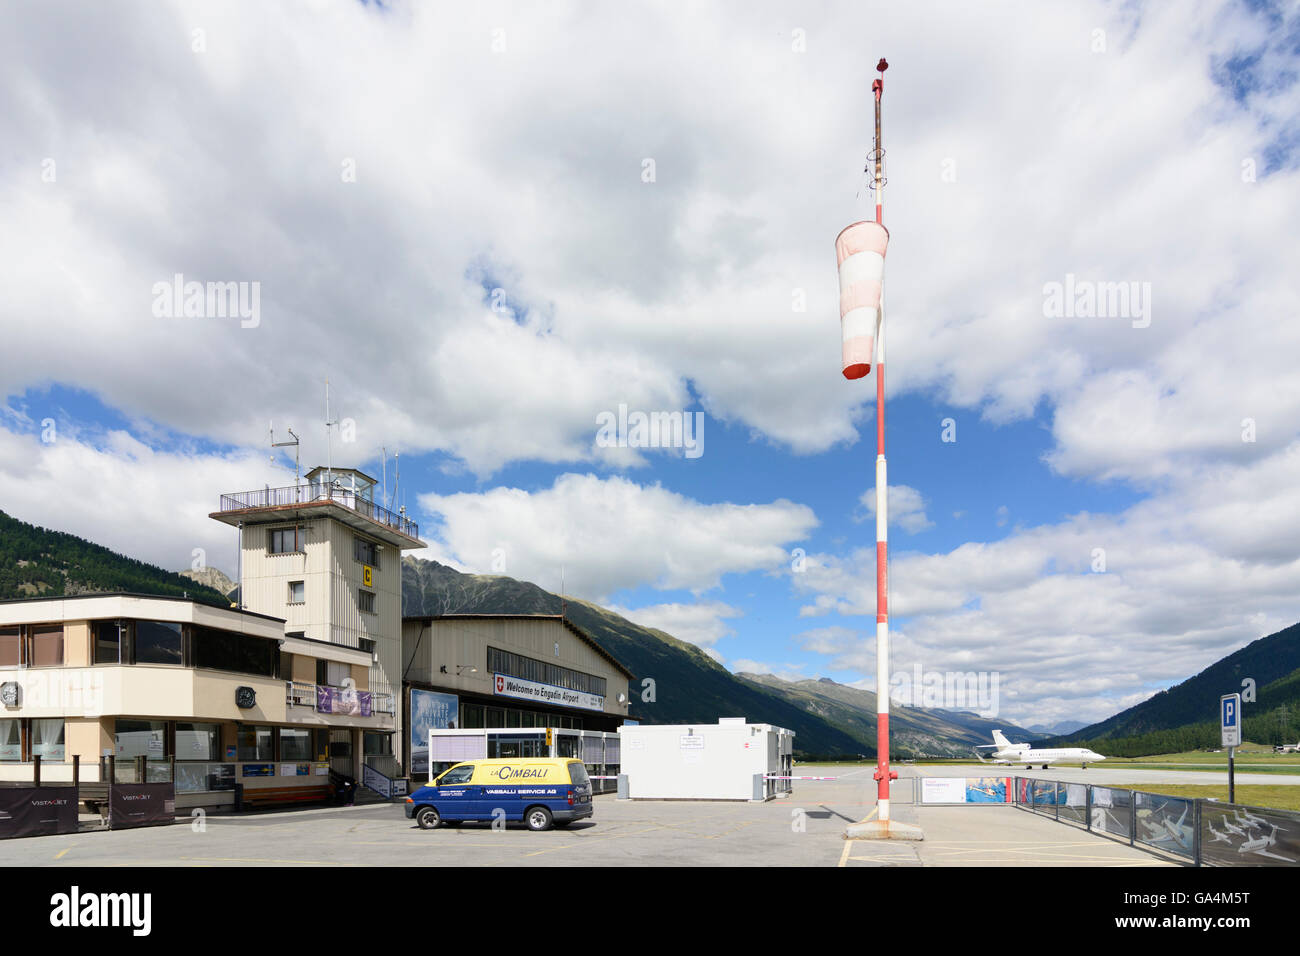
{"x": 366, "y": 552}
{"x": 366, "y": 600}
{"x": 288, "y": 540}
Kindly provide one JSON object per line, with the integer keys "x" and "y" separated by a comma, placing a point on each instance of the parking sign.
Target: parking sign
{"x": 1230, "y": 720}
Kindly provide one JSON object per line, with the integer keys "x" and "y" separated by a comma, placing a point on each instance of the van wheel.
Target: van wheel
{"x": 538, "y": 818}
{"x": 427, "y": 818}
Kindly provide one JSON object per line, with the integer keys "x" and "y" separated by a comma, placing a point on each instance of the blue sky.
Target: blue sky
{"x": 499, "y": 225}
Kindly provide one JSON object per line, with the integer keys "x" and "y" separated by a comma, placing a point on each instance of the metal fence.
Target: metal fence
{"x": 1199, "y": 831}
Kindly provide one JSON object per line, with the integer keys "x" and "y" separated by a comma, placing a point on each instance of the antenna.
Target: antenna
{"x": 329, "y": 450}
{"x": 383, "y": 451}
{"x": 297, "y": 464}
{"x": 397, "y": 481}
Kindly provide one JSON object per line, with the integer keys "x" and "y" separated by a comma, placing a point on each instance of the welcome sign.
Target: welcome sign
{"x": 506, "y": 686}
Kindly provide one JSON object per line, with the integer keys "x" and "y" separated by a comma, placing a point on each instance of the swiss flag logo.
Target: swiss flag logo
{"x": 501, "y": 683}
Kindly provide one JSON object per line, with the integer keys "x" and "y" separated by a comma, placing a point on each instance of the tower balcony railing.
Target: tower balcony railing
{"x": 306, "y": 494}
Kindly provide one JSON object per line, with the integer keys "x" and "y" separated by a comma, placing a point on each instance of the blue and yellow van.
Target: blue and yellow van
{"x": 537, "y": 790}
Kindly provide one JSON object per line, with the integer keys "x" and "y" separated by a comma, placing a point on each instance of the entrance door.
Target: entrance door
{"x": 341, "y": 752}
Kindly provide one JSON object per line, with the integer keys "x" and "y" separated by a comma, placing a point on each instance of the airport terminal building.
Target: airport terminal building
{"x": 298, "y": 680}
{"x": 510, "y": 676}
{"x": 313, "y": 671}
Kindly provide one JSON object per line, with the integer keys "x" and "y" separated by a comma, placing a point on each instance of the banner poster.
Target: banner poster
{"x": 943, "y": 789}
{"x": 342, "y": 700}
{"x": 430, "y": 710}
{"x": 37, "y": 811}
{"x": 140, "y": 805}
{"x": 1233, "y": 835}
{"x": 986, "y": 789}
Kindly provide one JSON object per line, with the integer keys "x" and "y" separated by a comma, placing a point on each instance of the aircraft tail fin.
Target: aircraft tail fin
{"x": 1000, "y": 740}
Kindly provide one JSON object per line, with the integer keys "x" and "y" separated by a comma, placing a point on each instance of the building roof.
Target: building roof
{"x": 579, "y": 632}
{"x": 120, "y": 603}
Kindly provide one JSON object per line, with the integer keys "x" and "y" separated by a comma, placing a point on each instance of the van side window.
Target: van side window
{"x": 456, "y": 775}
{"x": 578, "y": 774}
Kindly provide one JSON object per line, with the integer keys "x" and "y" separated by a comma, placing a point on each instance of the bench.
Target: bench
{"x": 267, "y": 796}
{"x": 94, "y": 796}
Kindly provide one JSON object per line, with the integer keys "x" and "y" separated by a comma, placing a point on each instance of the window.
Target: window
{"x": 140, "y": 738}
{"x": 366, "y": 601}
{"x": 287, "y": 540}
{"x": 297, "y": 592}
{"x": 295, "y": 744}
{"x": 110, "y": 638}
{"x": 366, "y": 552}
{"x": 198, "y": 741}
{"x": 456, "y": 775}
{"x": 528, "y": 668}
{"x": 255, "y": 743}
{"x": 158, "y": 642}
{"x": 44, "y": 645}
{"x": 377, "y": 745}
{"x": 11, "y": 647}
{"x": 236, "y": 653}
{"x": 11, "y": 740}
{"x": 47, "y": 738}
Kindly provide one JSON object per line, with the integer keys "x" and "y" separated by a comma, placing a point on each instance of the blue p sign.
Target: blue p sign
{"x": 1230, "y": 720}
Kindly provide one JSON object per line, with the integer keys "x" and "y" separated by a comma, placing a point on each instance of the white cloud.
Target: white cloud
{"x": 703, "y": 623}
{"x": 1190, "y": 575}
{"x": 621, "y": 290}
{"x": 611, "y": 533}
{"x": 123, "y": 495}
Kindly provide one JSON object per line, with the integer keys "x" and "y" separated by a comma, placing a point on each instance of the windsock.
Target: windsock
{"x": 860, "y": 250}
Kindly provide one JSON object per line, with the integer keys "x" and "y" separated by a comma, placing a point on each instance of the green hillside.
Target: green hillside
{"x": 1184, "y": 717}
{"x": 38, "y": 562}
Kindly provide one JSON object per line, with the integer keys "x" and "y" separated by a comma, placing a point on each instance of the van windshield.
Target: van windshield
{"x": 456, "y": 775}
{"x": 578, "y": 774}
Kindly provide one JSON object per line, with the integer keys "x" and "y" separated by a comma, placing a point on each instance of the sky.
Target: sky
{"x": 493, "y": 226}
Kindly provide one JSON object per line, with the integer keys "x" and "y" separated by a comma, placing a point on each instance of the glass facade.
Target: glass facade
{"x": 140, "y": 738}
{"x": 158, "y": 642}
{"x": 236, "y": 653}
{"x": 198, "y": 741}
{"x": 529, "y": 668}
{"x": 295, "y": 743}
{"x": 255, "y": 743}
{"x": 11, "y": 740}
{"x": 110, "y": 639}
{"x": 47, "y": 738}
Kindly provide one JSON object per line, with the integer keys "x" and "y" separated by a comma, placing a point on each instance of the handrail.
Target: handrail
{"x": 310, "y": 493}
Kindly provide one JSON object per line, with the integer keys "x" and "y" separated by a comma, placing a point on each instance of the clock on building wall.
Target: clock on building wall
{"x": 10, "y": 694}
{"x": 245, "y": 697}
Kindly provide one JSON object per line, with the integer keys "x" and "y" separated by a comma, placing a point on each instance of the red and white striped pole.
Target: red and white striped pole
{"x": 883, "y": 774}
{"x": 860, "y": 249}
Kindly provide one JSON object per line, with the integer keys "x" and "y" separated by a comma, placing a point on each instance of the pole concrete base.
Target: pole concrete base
{"x": 883, "y": 830}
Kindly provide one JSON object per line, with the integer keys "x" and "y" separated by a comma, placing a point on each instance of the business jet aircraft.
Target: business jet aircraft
{"x": 1004, "y": 751}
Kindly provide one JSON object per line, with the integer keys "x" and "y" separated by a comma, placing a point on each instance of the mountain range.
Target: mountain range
{"x": 677, "y": 682}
